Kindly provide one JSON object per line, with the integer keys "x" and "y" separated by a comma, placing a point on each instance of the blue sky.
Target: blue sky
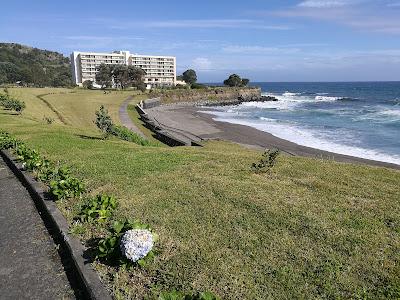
{"x": 264, "y": 40}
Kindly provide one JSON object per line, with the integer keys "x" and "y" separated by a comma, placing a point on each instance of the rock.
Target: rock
{"x": 268, "y": 98}
{"x": 136, "y": 244}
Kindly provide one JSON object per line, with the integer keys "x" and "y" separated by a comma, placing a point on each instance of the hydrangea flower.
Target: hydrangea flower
{"x": 136, "y": 244}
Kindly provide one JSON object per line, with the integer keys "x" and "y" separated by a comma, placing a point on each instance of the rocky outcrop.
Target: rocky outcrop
{"x": 217, "y": 94}
{"x": 238, "y": 101}
{"x": 210, "y": 97}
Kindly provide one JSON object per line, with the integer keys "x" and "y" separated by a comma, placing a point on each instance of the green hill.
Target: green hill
{"x": 33, "y": 66}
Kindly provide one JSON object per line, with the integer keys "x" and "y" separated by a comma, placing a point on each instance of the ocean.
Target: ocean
{"x": 355, "y": 118}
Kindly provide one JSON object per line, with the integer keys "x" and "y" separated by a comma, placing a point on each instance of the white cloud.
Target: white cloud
{"x": 325, "y": 3}
{"x": 372, "y": 16}
{"x": 101, "y": 38}
{"x": 239, "y": 49}
{"x": 202, "y": 63}
{"x": 191, "y": 24}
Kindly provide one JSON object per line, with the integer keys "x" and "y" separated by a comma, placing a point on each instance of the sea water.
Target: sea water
{"x": 358, "y": 119}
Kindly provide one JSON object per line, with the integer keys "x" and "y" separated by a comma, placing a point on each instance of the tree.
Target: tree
{"x": 136, "y": 75}
{"x": 33, "y": 66}
{"x": 245, "y": 81}
{"x": 189, "y": 76}
{"x": 9, "y": 72}
{"x": 104, "y": 76}
{"x": 120, "y": 75}
{"x": 87, "y": 84}
{"x": 234, "y": 80}
{"x": 103, "y": 121}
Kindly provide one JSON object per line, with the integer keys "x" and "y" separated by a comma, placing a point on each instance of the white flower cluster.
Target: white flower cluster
{"x": 136, "y": 244}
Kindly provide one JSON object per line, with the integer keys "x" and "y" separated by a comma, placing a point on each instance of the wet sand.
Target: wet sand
{"x": 190, "y": 119}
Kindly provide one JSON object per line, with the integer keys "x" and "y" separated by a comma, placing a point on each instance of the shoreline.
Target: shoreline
{"x": 189, "y": 118}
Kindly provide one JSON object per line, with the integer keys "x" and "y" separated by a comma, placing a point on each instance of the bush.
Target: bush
{"x": 198, "y": 86}
{"x": 87, "y": 84}
{"x": 48, "y": 120}
{"x": 266, "y": 162}
{"x": 11, "y": 104}
{"x": 127, "y": 135}
{"x": 105, "y": 124}
{"x": 103, "y": 121}
{"x": 62, "y": 184}
{"x": 99, "y": 208}
{"x": 7, "y": 141}
{"x": 235, "y": 80}
{"x": 31, "y": 158}
{"x": 66, "y": 186}
{"x": 141, "y": 87}
{"x": 109, "y": 249}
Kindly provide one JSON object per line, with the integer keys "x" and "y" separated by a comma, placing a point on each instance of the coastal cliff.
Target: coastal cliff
{"x": 209, "y": 96}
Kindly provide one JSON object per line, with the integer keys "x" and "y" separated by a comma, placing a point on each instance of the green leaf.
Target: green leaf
{"x": 117, "y": 226}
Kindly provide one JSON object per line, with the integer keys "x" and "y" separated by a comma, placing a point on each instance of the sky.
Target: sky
{"x": 263, "y": 40}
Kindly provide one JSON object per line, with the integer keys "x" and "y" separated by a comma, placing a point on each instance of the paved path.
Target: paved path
{"x": 126, "y": 120}
{"x": 30, "y": 266}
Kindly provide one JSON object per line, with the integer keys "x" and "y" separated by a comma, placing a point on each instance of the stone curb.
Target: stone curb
{"x": 88, "y": 278}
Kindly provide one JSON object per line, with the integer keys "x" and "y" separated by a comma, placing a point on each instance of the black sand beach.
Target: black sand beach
{"x": 190, "y": 119}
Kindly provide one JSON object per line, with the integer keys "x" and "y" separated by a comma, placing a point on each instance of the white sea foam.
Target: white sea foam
{"x": 327, "y": 98}
{"x": 381, "y": 115}
{"x": 290, "y": 94}
{"x": 391, "y": 112}
{"x": 286, "y": 101}
{"x": 307, "y": 137}
{"x": 289, "y": 101}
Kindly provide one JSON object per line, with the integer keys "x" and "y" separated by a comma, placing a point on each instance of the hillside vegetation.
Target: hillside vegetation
{"x": 33, "y": 66}
{"x": 308, "y": 229}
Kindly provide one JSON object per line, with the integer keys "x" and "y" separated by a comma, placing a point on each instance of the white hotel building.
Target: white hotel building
{"x": 160, "y": 70}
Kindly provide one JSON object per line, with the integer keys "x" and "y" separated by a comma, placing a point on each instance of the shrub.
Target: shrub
{"x": 127, "y": 135}
{"x": 141, "y": 87}
{"x": 7, "y": 141}
{"x": 62, "y": 184}
{"x": 87, "y": 84}
{"x": 99, "y": 208}
{"x": 11, "y": 104}
{"x": 48, "y": 120}
{"x": 103, "y": 121}
{"x": 31, "y": 158}
{"x": 235, "y": 80}
{"x": 198, "y": 86}
{"x": 66, "y": 187}
{"x": 109, "y": 249}
{"x": 266, "y": 162}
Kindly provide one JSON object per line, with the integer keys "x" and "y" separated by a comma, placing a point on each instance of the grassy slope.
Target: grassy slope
{"x": 310, "y": 229}
{"x": 77, "y": 106}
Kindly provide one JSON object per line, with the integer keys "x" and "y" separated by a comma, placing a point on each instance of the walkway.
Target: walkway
{"x": 31, "y": 267}
{"x": 126, "y": 120}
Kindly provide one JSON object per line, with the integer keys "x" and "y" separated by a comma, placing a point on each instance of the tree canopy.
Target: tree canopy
{"x": 120, "y": 75}
{"x": 234, "y": 80}
{"x": 32, "y": 66}
{"x": 104, "y": 76}
{"x": 189, "y": 76}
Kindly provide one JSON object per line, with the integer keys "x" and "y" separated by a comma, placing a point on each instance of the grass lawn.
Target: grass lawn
{"x": 75, "y": 106}
{"x": 308, "y": 229}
